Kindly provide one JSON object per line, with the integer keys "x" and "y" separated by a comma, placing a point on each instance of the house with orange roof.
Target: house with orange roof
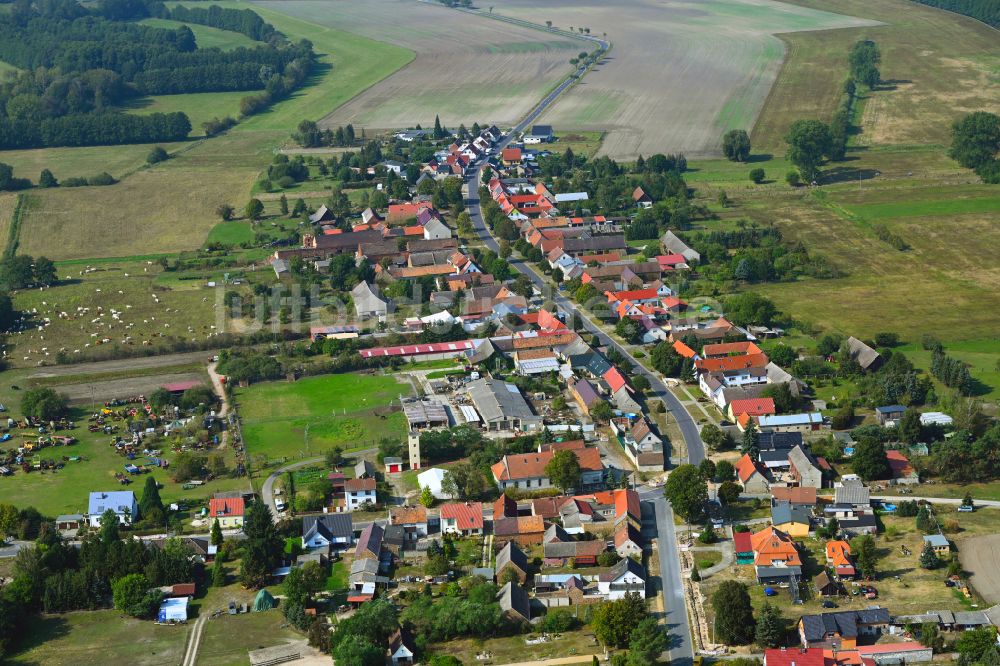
{"x": 400, "y": 212}
{"x": 752, "y": 475}
{"x": 413, "y": 520}
{"x": 621, "y": 391}
{"x": 728, "y": 363}
{"x": 526, "y": 471}
{"x": 750, "y": 407}
{"x": 776, "y": 557}
{"x": 730, "y": 349}
{"x": 684, "y": 350}
{"x": 641, "y": 199}
{"x": 838, "y": 557}
{"x": 902, "y": 471}
{"x": 511, "y": 156}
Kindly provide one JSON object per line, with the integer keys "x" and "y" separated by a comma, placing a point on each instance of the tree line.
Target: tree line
{"x": 987, "y": 11}
{"x": 81, "y": 64}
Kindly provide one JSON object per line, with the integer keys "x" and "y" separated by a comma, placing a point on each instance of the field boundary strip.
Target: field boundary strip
{"x": 15, "y": 227}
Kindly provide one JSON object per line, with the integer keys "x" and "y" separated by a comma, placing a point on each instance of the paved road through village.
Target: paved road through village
{"x": 681, "y": 651}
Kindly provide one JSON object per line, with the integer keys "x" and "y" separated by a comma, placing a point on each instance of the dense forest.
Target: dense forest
{"x": 987, "y": 11}
{"x": 79, "y": 65}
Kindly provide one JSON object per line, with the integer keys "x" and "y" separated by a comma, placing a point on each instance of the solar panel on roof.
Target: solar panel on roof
{"x": 512, "y": 389}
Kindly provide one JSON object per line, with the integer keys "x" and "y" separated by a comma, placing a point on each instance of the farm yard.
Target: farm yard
{"x": 309, "y": 416}
{"x": 467, "y": 69}
{"x": 679, "y": 75}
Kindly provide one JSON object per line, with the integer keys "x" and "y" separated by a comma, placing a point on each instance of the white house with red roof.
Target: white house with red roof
{"x": 463, "y": 518}
{"x": 228, "y": 511}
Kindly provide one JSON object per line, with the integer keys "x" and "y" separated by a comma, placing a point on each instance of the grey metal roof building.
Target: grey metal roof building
{"x": 854, "y": 493}
{"x": 425, "y": 414}
{"x": 514, "y": 602}
{"x": 501, "y": 406}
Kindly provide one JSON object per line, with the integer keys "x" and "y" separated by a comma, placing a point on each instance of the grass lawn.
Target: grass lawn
{"x": 307, "y": 417}
{"x": 982, "y": 357}
{"x": 513, "y": 649}
{"x": 104, "y": 637}
{"x": 337, "y": 580}
{"x": 226, "y": 639}
{"x": 231, "y": 233}
{"x": 205, "y": 36}
{"x": 349, "y": 64}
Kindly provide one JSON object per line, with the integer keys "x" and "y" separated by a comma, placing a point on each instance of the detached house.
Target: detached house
{"x": 228, "y": 511}
{"x": 358, "y": 492}
{"x": 413, "y": 520}
{"x": 122, "y": 502}
{"x": 527, "y": 470}
{"x": 625, "y": 577}
{"x": 333, "y": 530}
{"x": 776, "y": 558}
{"x": 464, "y": 518}
{"x": 842, "y": 630}
{"x": 368, "y": 302}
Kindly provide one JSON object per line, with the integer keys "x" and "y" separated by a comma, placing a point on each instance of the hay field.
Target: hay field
{"x": 680, "y": 73}
{"x": 937, "y": 65}
{"x": 152, "y": 211}
{"x": 467, "y": 69}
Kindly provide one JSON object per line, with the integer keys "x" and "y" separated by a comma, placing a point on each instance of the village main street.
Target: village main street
{"x": 681, "y": 651}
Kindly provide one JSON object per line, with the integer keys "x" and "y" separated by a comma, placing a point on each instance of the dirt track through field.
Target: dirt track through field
{"x": 981, "y": 557}
{"x": 680, "y": 72}
{"x": 467, "y": 69}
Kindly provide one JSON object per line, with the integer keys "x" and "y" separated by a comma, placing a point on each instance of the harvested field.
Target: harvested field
{"x": 980, "y": 558}
{"x": 680, "y": 73}
{"x": 467, "y": 69}
{"x": 936, "y": 66}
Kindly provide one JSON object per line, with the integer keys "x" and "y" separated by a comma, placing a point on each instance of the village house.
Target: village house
{"x": 838, "y": 558}
{"x": 804, "y": 468}
{"x": 805, "y": 422}
{"x": 228, "y": 511}
{"x": 628, "y": 542}
{"x": 559, "y": 548}
{"x": 889, "y": 414}
{"x": 623, "y": 578}
{"x": 462, "y": 518}
{"x": 866, "y": 357}
{"x": 795, "y": 495}
{"x": 333, "y": 531}
{"x": 539, "y": 134}
{"x": 508, "y": 526}
{"x": 843, "y": 630}
{"x": 358, "y": 492}
{"x": 751, "y": 475}
{"x": 792, "y": 520}
{"x": 776, "y": 557}
{"x": 121, "y": 502}
{"x": 401, "y": 649}
{"x": 413, "y": 520}
{"x": 369, "y": 544}
{"x": 903, "y": 472}
{"x": 527, "y": 470}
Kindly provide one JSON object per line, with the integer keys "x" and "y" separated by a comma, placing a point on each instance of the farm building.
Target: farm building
{"x": 502, "y": 407}
{"x": 425, "y": 414}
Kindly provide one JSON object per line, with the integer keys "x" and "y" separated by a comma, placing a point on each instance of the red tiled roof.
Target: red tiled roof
{"x": 511, "y": 155}
{"x": 670, "y": 260}
{"x": 627, "y": 503}
{"x": 633, "y": 295}
{"x": 532, "y": 465}
{"x": 794, "y": 657}
{"x": 746, "y": 466}
{"x": 795, "y": 495}
{"x": 771, "y": 544}
{"x": 899, "y": 463}
{"x": 731, "y": 348}
{"x": 467, "y": 515}
{"x": 615, "y": 379}
{"x": 732, "y": 362}
{"x": 742, "y": 543}
{"x": 753, "y": 406}
{"x": 225, "y": 507}
{"x": 408, "y": 515}
{"x": 359, "y": 485}
{"x": 626, "y": 533}
{"x": 684, "y": 350}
